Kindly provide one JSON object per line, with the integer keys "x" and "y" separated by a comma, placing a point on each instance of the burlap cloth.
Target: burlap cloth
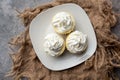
{"x": 99, "y": 67}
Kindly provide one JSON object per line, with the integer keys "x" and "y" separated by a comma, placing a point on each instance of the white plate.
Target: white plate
{"x": 41, "y": 26}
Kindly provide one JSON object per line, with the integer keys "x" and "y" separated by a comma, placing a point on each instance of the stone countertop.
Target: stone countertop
{"x": 10, "y": 25}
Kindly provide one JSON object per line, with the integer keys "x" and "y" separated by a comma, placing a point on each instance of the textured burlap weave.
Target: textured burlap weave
{"x": 99, "y": 67}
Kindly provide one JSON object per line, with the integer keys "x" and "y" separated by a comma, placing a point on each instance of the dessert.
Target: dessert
{"x": 63, "y": 23}
{"x": 54, "y": 44}
{"x": 76, "y": 42}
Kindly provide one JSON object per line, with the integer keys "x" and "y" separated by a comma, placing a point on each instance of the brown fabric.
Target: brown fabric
{"x": 99, "y": 67}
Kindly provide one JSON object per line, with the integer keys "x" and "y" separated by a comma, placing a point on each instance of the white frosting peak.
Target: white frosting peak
{"x": 76, "y": 42}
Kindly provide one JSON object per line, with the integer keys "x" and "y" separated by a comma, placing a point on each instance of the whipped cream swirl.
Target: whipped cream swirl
{"x": 54, "y": 44}
{"x": 63, "y": 22}
{"x": 76, "y": 42}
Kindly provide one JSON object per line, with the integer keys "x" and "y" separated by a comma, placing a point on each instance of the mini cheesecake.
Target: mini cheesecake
{"x": 54, "y": 44}
{"x": 63, "y": 23}
{"x": 76, "y": 42}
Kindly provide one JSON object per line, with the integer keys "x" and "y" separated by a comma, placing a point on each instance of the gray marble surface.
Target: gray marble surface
{"x": 10, "y": 25}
